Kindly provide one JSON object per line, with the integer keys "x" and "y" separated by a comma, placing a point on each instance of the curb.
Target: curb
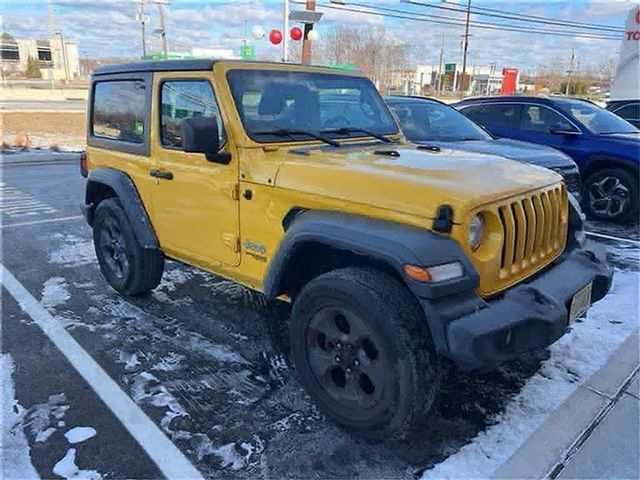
{"x": 38, "y": 158}
{"x": 545, "y": 453}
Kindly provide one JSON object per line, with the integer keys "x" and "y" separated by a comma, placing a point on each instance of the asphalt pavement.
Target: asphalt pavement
{"x": 197, "y": 358}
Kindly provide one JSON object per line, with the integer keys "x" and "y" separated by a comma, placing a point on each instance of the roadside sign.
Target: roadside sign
{"x": 449, "y": 67}
{"x": 247, "y": 52}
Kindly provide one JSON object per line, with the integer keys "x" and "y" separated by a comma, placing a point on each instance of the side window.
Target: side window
{"x": 540, "y": 119}
{"x": 629, "y": 112}
{"x": 181, "y": 99}
{"x": 119, "y": 110}
{"x": 474, "y": 112}
{"x": 501, "y": 115}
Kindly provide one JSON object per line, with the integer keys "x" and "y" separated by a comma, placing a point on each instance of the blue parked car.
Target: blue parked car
{"x": 605, "y": 147}
{"x": 429, "y": 122}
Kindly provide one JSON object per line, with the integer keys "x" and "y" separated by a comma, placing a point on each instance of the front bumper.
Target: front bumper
{"x": 526, "y": 317}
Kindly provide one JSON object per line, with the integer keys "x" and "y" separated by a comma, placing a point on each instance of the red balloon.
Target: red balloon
{"x": 296, "y": 33}
{"x": 275, "y": 36}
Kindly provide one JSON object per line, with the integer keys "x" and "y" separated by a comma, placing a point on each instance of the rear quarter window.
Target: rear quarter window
{"x": 119, "y": 109}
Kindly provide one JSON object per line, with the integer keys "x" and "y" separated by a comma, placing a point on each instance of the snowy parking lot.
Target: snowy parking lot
{"x": 198, "y": 358}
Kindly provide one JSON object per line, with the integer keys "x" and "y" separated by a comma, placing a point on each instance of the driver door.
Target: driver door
{"x": 195, "y": 204}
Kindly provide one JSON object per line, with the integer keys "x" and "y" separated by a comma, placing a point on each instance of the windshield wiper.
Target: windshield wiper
{"x": 289, "y": 132}
{"x": 348, "y": 130}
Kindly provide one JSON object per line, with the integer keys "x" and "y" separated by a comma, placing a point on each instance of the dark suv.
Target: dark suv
{"x": 627, "y": 109}
{"x": 431, "y": 123}
{"x": 605, "y": 147}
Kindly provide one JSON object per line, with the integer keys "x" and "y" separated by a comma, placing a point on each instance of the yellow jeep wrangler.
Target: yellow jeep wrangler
{"x": 296, "y": 181}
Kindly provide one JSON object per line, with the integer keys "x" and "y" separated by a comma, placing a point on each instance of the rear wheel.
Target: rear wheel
{"x": 611, "y": 194}
{"x": 362, "y": 349}
{"x": 129, "y": 268}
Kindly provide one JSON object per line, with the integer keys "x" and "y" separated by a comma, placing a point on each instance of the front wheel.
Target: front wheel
{"x": 129, "y": 268}
{"x": 611, "y": 194}
{"x": 362, "y": 349}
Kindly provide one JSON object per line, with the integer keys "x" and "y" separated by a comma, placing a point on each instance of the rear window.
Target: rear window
{"x": 119, "y": 110}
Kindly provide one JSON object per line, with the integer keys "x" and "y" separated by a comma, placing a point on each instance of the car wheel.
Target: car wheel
{"x": 129, "y": 268}
{"x": 362, "y": 349}
{"x": 611, "y": 194}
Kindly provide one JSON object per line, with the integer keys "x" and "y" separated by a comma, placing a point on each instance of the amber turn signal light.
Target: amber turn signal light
{"x": 419, "y": 274}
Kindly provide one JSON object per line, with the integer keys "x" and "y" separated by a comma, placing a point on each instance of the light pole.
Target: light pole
{"x": 63, "y": 48}
{"x": 285, "y": 28}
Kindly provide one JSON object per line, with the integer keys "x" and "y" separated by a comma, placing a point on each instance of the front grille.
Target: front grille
{"x": 535, "y": 229}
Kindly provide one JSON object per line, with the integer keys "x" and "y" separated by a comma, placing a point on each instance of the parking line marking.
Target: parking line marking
{"x": 609, "y": 237}
{"x": 36, "y": 222}
{"x": 169, "y": 459}
{"x": 16, "y": 203}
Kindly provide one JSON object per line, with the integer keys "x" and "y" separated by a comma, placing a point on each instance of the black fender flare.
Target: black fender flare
{"x": 608, "y": 161}
{"x": 127, "y": 193}
{"x": 390, "y": 242}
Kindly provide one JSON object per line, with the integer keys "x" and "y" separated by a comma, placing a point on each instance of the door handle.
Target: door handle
{"x": 161, "y": 174}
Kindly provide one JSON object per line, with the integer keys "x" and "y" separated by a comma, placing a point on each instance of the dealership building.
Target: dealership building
{"x": 57, "y": 57}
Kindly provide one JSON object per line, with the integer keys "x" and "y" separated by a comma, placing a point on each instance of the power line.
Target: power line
{"x": 442, "y": 20}
{"x": 489, "y": 12}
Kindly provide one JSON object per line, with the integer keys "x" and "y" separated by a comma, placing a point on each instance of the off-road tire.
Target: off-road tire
{"x": 399, "y": 332}
{"x": 629, "y": 181}
{"x": 145, "y": 266}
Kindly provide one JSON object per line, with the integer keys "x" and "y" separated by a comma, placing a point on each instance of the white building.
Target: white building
{"x": 57, "y": 58}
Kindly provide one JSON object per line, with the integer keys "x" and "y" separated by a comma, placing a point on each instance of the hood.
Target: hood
{"x": 541, "y": 155}
{"x": 415, "y": 181}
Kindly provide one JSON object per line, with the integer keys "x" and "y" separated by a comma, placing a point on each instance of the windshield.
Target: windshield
{"x": 431, "y": 121}
{"x": 337, "y": 106}
{"x": 596, "y": 119}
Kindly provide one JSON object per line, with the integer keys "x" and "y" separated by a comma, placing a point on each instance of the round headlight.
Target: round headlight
{"x": 476, "y": 231}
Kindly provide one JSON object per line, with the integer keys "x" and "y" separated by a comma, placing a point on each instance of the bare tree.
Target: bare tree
{"x": 371, "y": 49}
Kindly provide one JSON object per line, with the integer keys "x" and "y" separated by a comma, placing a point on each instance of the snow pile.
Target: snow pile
{"x": 16, "y": 463}
{"x": 574, "y": 358}
{"x": 54, "y": 292}
{"x": 80, "y": 434}
{"x": 67, "y": 468}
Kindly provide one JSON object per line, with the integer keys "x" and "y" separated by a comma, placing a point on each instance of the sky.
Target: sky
{"x": 108, "y": 28}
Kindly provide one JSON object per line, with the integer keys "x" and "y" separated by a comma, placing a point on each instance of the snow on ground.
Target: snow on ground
{"x": 79, "y": 434}
{"x": 67, "y": 468}
{"x": 54, "y": 292}
{"x": 16, "y": 463}
{"x": 74, "y": 251}
{"x": 574, "y": 358}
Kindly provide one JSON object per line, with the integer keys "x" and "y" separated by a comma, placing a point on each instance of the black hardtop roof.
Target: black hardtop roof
{"x": 158, "y": 66}
{"x": 198, "y": 64}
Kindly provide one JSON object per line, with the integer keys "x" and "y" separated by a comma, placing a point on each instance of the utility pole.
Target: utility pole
{"x": 306, "y": 44}
{"x": 163, "y": 33}
{"x": 440, "y": 65}
{"x": 285, "y": 29}
{"x": 465, "y": 46}
{"x": 572, "y": 59}
{"x": 142, "y": 17}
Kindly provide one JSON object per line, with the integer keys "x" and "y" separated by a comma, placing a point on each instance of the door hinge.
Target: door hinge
{"x": 235, "y": 191}
{"x": 232, "y": 241}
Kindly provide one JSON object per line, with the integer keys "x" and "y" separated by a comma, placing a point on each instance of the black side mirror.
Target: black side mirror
{"x": 563, "y": 129}
{"x": 201, "y": 135}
